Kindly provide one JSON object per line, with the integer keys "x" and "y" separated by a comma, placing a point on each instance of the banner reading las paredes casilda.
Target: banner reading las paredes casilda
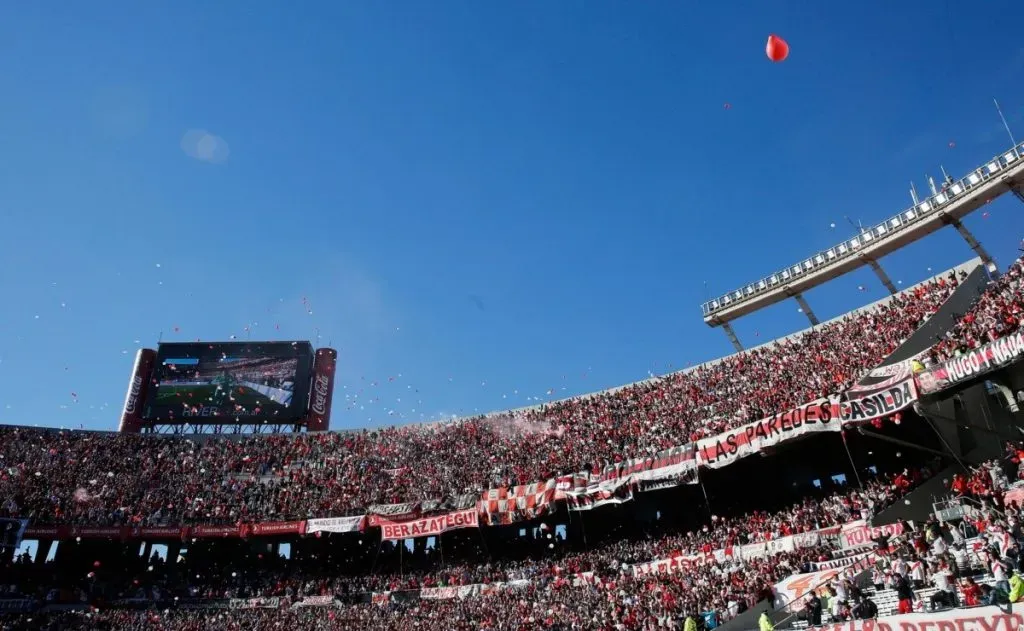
{"x": 429, "y": 526}
{"x": 861, "y": 407}
{"x": 722, "y": 450}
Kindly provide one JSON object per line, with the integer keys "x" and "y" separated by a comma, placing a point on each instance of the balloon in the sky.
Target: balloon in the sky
{"x": 777, "y": 49}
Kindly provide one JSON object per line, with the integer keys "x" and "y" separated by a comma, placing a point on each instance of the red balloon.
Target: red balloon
{"x": 777, "y": 49}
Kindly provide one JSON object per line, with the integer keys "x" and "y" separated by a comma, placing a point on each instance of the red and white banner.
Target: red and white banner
{"x": 867, "y": 407}
{"x": 793, "y": 589}
{"x": 678, "y": 465}
{"x": 859, "y": 534}
{"x": 977, "y": 619}
{"x": 429, "y": 526}
{"x": 973, "y": 363}
{"x": 379, "y": 513}
{"x": 526, "y": 501}
{"x": 336, "y": 524}
{"x": 723, "y": 450}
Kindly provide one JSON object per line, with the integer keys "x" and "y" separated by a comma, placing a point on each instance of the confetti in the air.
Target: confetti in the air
{"x": 204, "y": 146}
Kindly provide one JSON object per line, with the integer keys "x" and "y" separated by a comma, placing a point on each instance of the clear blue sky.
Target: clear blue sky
{"x": 482, "y": 200}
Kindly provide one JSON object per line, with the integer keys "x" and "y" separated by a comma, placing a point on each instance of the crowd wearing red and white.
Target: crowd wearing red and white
{"x": 560, "y": 589}
{"x": 996, "y": 314}
{"x": 111, "y": 479}
{"x": 967, "y": 561}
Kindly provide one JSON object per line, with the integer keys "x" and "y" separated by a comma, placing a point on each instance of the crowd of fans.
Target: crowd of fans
{"x": 973, "y": 561}
{"x": 80, "y": 477}
{"x": 594, "y": 588}
{"x": 52, "y": 476}
{"x": 996, "y": 314}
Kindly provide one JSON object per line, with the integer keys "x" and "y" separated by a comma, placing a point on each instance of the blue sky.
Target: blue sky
{"x": 484, "y": 201}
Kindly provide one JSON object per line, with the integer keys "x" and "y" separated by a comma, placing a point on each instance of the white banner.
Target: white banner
{"x": 254, "y": 603}
{"x": 859, "y": 534}
{"x": 448, "y": 593}
{"x": 835, "y": 564}
{"x": 772, "y": 547}
{"x": 336, "y": 524}
{"x": 722, "y": 450}
{"x": 759, "y": 550}
{"x": 315, "y": 601}
{"x": 976, "y": 619}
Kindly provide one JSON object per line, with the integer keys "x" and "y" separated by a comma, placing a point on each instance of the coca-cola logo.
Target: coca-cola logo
{"x": 320, "y": 391}
{"x": 133, "y": 394}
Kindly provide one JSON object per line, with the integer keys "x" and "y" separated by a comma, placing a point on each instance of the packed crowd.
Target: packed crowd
{"x": 595, "y": 588}
{"x": 65, "y": 476}
{"x": 997, "y": 313}
{"x": 973, "y": 559}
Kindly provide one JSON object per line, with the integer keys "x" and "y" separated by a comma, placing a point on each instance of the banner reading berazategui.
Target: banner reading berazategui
{"x": 722, "y": 450}
{"x": 429, "y": 526}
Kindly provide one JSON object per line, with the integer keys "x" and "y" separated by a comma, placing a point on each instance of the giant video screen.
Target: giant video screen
{"x": 247, "y": 382}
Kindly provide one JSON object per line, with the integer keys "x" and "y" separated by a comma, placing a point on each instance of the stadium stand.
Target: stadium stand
{"x": 285, "y": 477}
{"x": 700, "y": 571}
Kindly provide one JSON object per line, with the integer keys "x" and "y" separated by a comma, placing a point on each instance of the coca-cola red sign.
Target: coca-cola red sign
{"x": 133, "y": 395}
{"x": 319, "y": 417}
{"x": 320, "y": 393}
{"x": 131, "y": 417}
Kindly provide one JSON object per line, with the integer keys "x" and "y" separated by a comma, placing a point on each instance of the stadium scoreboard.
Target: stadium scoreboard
{"x": 255, "y": 384}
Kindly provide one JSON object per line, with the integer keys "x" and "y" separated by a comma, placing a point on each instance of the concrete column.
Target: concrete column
{"x": 972, "y": 242}
{"x": 882, "y": 276}
{"x": 806, "y": 308}
{"x": 732, "y": 337}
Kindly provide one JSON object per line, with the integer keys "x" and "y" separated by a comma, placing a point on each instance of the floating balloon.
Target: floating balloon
{"x": 777, "y": 49}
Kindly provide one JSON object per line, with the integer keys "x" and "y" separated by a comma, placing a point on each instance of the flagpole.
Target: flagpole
{"x": 376, "y": 556}
{"x": 850, "y": 456}
{"x": 1007, "y": 126}
{"x": 707, "y": 502}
